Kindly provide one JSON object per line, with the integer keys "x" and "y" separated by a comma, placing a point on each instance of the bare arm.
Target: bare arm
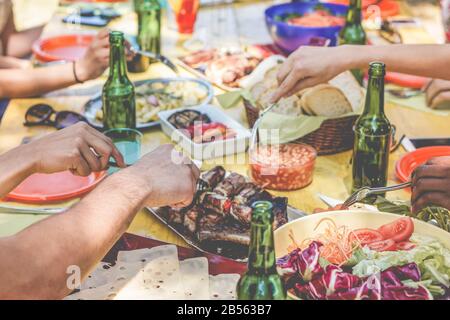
{"x": 22, "y": 83}
{"x": 309, "y": 66}
{"x": 20, "y": 43}
{"x": 34, "y": 262}
{"x": 17, "y": 83}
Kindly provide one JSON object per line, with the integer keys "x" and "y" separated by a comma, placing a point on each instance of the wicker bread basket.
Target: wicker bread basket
{"x": 333, "y": 136}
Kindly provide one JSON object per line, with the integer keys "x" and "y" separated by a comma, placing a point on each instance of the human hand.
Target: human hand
{"x": 71, "y": 149}
{"x": 96, "y": 59}
{"x": 431, "y": 184}
{"x": 170, "y": 178}
{"x": 309, "y": 66}
{"x": 437, "y": 92}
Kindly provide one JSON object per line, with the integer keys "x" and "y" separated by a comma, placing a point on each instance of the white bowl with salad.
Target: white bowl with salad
{"x": 359, "y": 255}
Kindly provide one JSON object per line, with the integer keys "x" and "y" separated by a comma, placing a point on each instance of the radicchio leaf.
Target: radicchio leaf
{"x": 407, "y": 293}
{"x": 305, "y": 263}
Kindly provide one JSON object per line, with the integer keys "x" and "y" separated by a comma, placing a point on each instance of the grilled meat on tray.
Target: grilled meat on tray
{"x": 224, "y": 232}
{"x": 231, "y": 185}
{"x": 216, "y": 202}
{"x": 221, "y": 219}
{"x": 214, "y": 176}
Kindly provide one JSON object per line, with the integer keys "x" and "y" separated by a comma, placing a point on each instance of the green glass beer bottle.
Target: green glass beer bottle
{"x": 261, "y": 281}
{"x": 373, "y": 134}
{"x": 149, "y": 33}
{"x": 119, "y": 105}
{"x": 353, "y": 32}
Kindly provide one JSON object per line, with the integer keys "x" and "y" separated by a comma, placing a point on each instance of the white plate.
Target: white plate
{"x": 209, "y": 150}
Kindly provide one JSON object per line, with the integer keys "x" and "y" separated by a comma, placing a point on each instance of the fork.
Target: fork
{"x": 364, "y": 192}
{"x": 202, "y": 186}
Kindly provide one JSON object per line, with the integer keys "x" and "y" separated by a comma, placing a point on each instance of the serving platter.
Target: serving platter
{"x": 292, "y": 213}
{"x": 95, "y": 103}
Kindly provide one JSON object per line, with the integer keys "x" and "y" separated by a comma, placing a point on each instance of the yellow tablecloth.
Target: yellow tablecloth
{"x": 331, "y": 175}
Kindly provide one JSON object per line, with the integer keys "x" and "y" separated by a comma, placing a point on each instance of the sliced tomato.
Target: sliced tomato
{"x": 405, "y": 245}
{"x": 383, "y": 245}
{"x": 365, "y": 236}
{"x": 398, "y": 230}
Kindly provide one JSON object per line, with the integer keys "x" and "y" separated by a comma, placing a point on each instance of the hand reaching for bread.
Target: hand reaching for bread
{"x": 341, "y": 95}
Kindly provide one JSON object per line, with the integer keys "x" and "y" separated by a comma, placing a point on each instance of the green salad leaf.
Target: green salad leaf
{"x": 430, "y": 255}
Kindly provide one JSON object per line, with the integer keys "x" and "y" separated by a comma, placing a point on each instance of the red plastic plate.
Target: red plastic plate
{"x": 66, "y": 47}
{"x": 406, "y": 80}
{"x": 410, "y": 161}
{"x": 41, "y": 188}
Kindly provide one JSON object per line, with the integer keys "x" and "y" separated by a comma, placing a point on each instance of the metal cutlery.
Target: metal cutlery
{"x": 156, "y": 56}
{"x": 28, "y": 210}
{"x": 405, "y": 93}
{"x": 364, "y": 192}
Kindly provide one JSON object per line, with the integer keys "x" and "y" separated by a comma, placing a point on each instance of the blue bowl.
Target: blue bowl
{"x": 289, "y": 37}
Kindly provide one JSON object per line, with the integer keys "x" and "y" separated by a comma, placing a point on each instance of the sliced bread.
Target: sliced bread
{"x": 347, "y": 83}
{"x": 325, "y": 100}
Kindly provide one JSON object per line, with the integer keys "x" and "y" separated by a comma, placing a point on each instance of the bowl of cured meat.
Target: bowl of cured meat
{"x": 293, "y": 25}
{"x": 219, "y": 221}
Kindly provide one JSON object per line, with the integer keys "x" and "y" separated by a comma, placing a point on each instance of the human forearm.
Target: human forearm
{"x": 16, "y": 83}
{"x": 421, "y": 60}
{"x": 15, "y": 165}
{"x": 19, "y": 43}
{"x": 79, "y": 237}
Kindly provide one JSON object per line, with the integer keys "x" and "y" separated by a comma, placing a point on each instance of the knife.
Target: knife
{"x": 331, "y": 202}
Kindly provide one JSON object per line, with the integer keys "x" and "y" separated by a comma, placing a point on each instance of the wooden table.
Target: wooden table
{"x": 332, "y": 173}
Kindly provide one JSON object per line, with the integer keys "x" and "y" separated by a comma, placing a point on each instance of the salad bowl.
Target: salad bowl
{"x": 424, "y": 242}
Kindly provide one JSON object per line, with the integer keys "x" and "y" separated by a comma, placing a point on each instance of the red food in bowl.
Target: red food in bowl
{"x": 318, "y": 18}
{"x": 282, "y": 167}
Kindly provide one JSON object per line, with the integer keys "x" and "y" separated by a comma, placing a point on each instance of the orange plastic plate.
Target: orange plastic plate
{"x": 406, "y": 80}
{"x": 66, "y": 47}
{"x": 410, "y": 161}
{"x": 41, "y": 188}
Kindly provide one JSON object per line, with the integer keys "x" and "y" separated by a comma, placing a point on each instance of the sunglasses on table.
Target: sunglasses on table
{"x": 44, "y": 115}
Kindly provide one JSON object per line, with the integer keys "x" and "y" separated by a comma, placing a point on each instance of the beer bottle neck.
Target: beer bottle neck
{"x": 375, "y": 95}
{"x": 117, "y": 65}
{"x": 354, "y": 12}
{"x": 261, "y": 258}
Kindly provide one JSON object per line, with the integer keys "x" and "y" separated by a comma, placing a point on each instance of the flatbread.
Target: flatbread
{"x": 195, "y": 278}
{"x": 161, "y": 278}
{"x": 223, "y": 286}
{"x": 98, "y": 277}
{"x": 156, "y": 274}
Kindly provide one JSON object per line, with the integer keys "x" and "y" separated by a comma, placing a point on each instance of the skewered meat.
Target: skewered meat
{"x": 175, "y": 216}
{"x": 210, "y": 218}
{"x": 279, "y": 211}
{"x": 214, "y": 176}
{"x": 216, "y": 202}
{"x": 241, "y": 213}
{"x": 224, "y": 232}
{"x": 231, "y": 185}
{"x": 248, "y": 191}
{"x": 221, "y": 221}
{"x": 191, "y": 218}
